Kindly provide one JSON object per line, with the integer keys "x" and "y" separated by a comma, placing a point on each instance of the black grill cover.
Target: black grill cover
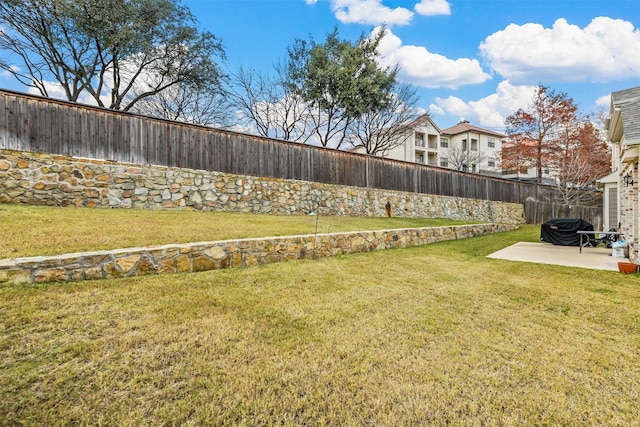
{"x": 562, "y": 231}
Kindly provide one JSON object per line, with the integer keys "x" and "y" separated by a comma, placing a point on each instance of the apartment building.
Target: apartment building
{"x": 463, "y": 147}
{"x": 419, "y": 144}
{"x": 471, "y": 148}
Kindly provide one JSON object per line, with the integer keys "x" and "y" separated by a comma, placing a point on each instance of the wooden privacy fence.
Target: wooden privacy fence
{"x": 31, "y": 123}
{"x": 536, "y": 212}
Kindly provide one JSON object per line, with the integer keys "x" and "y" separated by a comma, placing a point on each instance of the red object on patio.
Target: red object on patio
{"x": 627, "y": 267}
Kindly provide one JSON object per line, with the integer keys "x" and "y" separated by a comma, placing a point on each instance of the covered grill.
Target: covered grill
{"x": 563, "y": 231}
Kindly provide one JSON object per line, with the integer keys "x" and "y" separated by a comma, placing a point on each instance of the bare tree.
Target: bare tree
{"x": 463, "y": 159}
{"x": 382, "y": 130}
{"x": 189, "y": 104}
{"x": 267, "y": 105}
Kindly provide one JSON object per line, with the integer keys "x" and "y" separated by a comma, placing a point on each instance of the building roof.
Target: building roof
{"x": 628, "y": 103}
{"x": 464, "y": 126}
{"x": 422, "y": 119}
{"x": 612, "y": 178}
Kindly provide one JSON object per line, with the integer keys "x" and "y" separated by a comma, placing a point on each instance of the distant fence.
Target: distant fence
{"x": 31, "y": 123}
{"x": 540, "y": 212}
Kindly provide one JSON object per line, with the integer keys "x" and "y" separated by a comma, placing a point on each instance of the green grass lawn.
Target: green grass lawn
{"x": 40, "y": 230}
{"x": 436, "y": 334}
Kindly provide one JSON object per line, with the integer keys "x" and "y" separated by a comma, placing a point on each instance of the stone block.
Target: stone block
{"x": 251, "y": 260}
{"x": 146, "y": 266}
{"x": 51, "y": 275}
{"x": 236, "y": 259}
{"x": 167, "y": 266}
{"x": 75, "y": 274}
{"x": 91, "y": 193}
{"x": 93, "y": 273}
{"x": 183, "y": 264}
{"x": 216, "y": 252}
{"x": 16, "y": 276}
{"x": 203, "y": 263}
{"x": 127, "y": 263}
{"x": 14, "y": 193}
{"x": 111, "y": 270}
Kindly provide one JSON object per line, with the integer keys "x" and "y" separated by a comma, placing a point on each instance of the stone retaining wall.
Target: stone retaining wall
{"x": 47, "y": 179}
{"x": 202, "y": 256}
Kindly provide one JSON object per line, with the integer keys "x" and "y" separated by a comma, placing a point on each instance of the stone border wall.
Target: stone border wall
{"x": 54, "y": 180}
{"x": 202, "y": 256}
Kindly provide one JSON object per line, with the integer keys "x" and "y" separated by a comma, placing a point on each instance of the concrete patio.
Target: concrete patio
{"x": 598, "y": 258}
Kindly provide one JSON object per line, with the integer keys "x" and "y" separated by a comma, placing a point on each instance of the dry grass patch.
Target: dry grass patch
{"x": 39, "y": 230}
{"x": 437, "y": 334}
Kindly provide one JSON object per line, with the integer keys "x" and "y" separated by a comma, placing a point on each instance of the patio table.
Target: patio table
{"x": 585, "y": 240}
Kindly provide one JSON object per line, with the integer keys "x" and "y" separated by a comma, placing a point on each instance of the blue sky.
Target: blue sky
{"x": 472, "y": 59}
{"x": 477, "y": 60}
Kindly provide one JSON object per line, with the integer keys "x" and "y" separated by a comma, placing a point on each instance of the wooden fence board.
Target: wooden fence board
{"x": 537, "y": 212}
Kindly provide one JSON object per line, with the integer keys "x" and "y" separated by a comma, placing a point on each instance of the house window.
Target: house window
{"x": 444, "y": 142}
{"x": 444, "y": 162}
{"x": 464, "y": 145}
{"x": 420, "y": 139}
{"x": 474, "y": 145}
{"x": 491, "y": 142}
{"x": 491, "y": 162}
{"x": 545, "y": 171}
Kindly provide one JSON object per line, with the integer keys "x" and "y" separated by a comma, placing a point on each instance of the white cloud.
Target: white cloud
{"x": 607, "y": 49}
{"x": 423, "y": 68}
{"x": 369, "y": 12}
{"x": 311, "y": 2}
{"x": 433, "y": 7}
{"x": 7, "y": 73}
{"x": 604, "y": 101}
{"x": 435, "y": 110}
{"x": 490, "y": 111}
{"x": 56, "y": 91}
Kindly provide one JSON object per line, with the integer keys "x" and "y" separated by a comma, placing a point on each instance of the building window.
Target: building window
{"x": 432, "y": 142}
{"x": 420, "y": 158}
{"x": 491, "y": 142}
{"x": 444, "y": 142}
{"x": 491, "y": 162}
{"x": 464, "y": 145}
{"x": 420, "y": 140}
{"x": 444, "y": 162}
{"x": 474, "y": 145}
